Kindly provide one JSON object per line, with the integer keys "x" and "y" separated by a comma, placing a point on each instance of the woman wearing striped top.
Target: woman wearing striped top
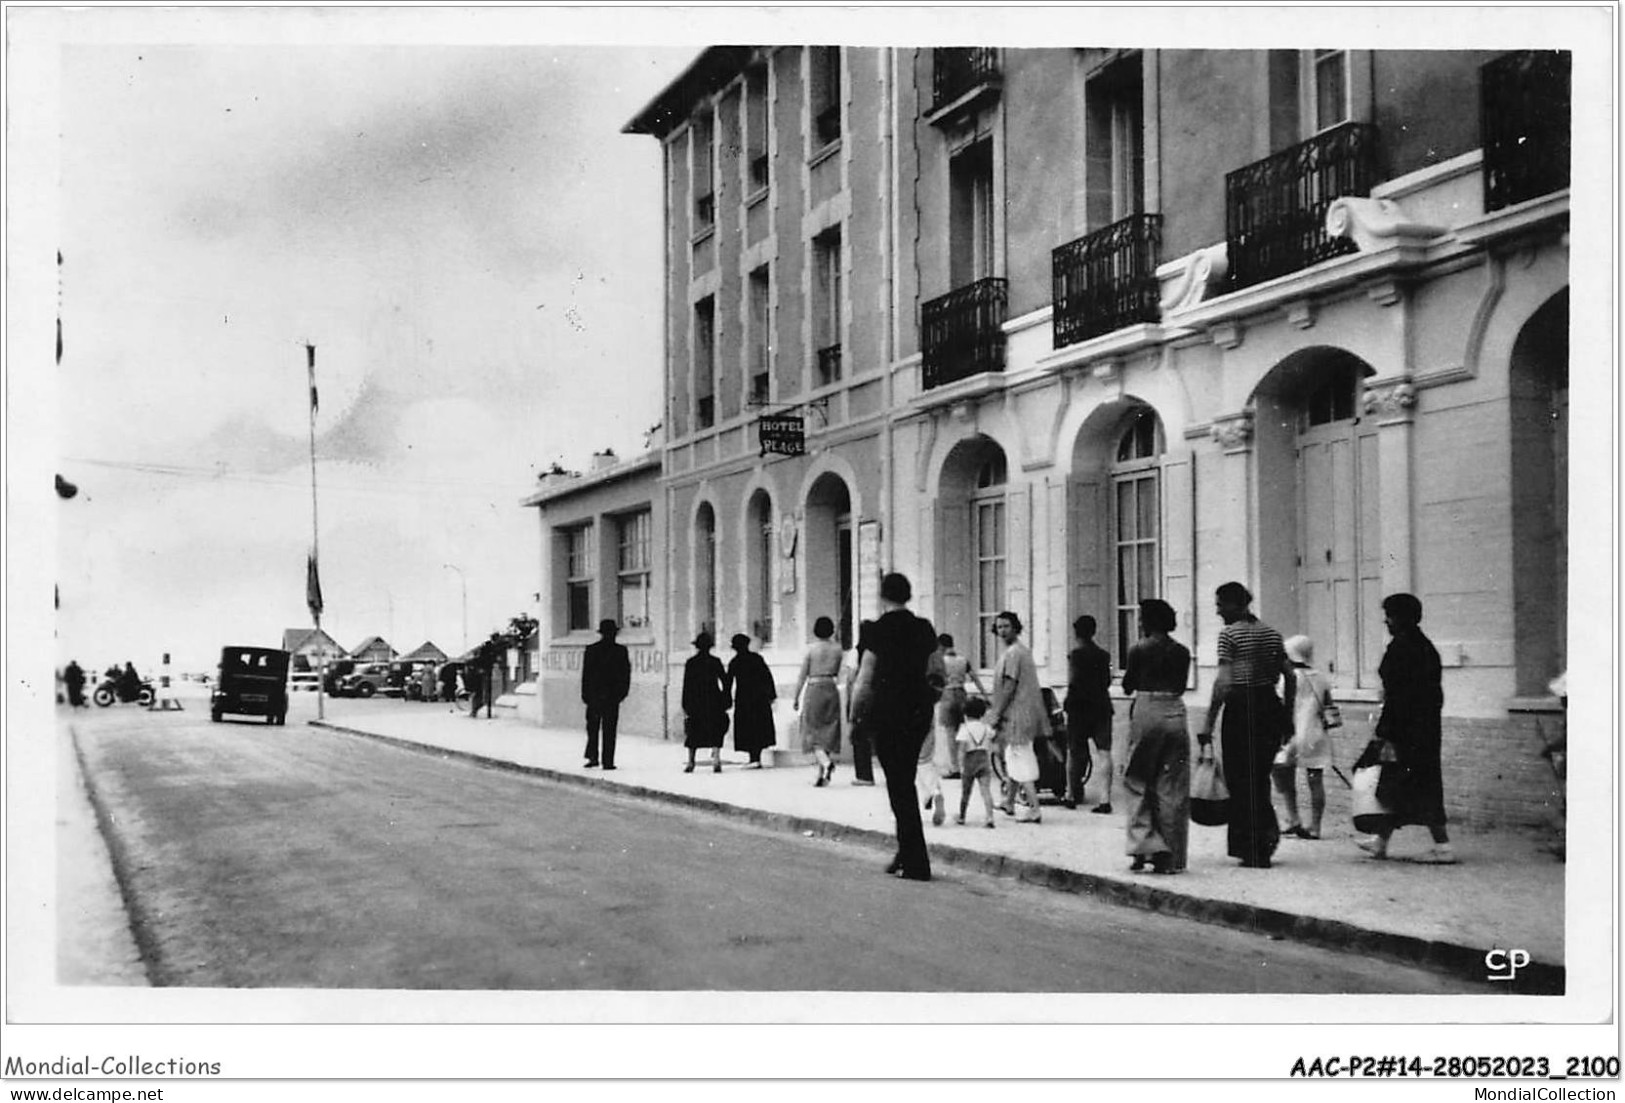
{"x": 1251, "y": 660}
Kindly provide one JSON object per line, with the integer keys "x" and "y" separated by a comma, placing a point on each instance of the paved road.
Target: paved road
{"x": 296, "y": 857}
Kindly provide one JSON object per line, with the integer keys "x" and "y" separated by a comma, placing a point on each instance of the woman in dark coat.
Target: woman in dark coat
{"x": 753, "y": 693}
{"x": 705, "y": 703}
{"x": 1410, "y": 722}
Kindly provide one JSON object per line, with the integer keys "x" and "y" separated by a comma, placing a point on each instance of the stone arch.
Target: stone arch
{"x": 703, "y": 566}
{"x": 758, "y": 540}
{"x": 1538, "y": 390}
{"x": 980, "y": 534}
{"x": 1316, "y": 485}
{"x": 827, "y": 549}
{"x": 1130, "y": 521}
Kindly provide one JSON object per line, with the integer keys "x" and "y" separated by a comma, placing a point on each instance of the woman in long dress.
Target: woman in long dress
{"x": 1018, "y": 716}
{"x": 818, "y": 699}
{"x": 705, "y": 703}
{"x": 1412, "y": 722}
{"x": 1158, "y": 773}
{"x": 753, "y": 692}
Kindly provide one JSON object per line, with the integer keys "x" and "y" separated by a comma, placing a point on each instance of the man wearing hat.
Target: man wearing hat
{"x": 606, "y": 678}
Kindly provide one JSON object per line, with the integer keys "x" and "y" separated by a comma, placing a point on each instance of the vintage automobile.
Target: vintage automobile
{"x": 366, "y": 680}
{"x": 252, "y": 681}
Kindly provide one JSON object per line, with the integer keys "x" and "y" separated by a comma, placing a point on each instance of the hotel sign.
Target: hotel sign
{"x": 785, "y": 434}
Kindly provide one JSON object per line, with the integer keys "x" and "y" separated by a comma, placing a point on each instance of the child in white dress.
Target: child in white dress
{"x": 1311, "y": 744}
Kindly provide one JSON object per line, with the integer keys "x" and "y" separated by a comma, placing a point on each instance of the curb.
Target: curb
{"x": 118, "y": 856}
{"x": 1466, "y": 962}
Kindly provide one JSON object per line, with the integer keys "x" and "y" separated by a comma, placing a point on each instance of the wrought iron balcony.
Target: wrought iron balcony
{"x": 829, "y": 365}
{"x": 1523, "y": 119}
{"x": 1107, "y": 280}
{"x": 961, "y": 333}
{"x": 956, "y": 70}
{"x": 1275, "y": 209}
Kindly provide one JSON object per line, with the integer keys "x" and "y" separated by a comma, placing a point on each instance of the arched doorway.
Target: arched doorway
{"x": 759, "y": 542}
{"x": 974, "y": 533}
{"x": 705, "y": 569}
{"x": 1319, "y": 510}
{"x": 829, "y": 556}
{"x": 1539, "y": 398}
{"x": 1130, "y": 527}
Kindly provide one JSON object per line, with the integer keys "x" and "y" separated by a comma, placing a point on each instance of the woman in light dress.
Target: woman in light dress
{"x": 818, "y": 699}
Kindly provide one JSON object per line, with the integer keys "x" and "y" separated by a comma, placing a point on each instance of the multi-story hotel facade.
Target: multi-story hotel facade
{"x": 1068, "y": 328}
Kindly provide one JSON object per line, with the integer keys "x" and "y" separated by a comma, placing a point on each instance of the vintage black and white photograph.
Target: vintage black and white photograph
{"x": 523, "y": 515}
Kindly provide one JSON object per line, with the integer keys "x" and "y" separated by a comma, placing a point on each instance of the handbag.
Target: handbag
{"x": 1210, "y": 799}
{"x": 1371, "y": 815}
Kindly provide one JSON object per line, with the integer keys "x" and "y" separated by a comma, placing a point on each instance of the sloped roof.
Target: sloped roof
{"x": 372, "y": 642}
{"x": 304, "y": 639}
{"x": 425, "y": 652}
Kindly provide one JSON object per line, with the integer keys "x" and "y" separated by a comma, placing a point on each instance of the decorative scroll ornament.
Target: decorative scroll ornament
{"x": 1200, "y": 275}
{"x": 1233, "y": 431}
{"x": 1389, "y": 399}
{"x": 1374, "y": 224}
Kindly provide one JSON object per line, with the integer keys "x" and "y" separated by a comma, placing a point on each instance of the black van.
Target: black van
{"x": 253, "y": 681}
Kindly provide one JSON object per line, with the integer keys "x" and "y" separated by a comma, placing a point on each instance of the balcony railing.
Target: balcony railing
{"x": 1275, "y": 209}
{"x": 829, "y": 365}
{"x": 1107, "y": 280}
{"x": 961, "y": 334}
{"x": 956, "y": 70}
{"x": 1523, "y": 119}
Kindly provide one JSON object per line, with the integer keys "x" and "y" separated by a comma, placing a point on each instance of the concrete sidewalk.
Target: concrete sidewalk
{"x": 1506, "y": 893}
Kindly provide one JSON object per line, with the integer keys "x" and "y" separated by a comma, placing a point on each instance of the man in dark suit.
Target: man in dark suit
{"x": 895, "y": 695}
{"x": 606, "y": 678}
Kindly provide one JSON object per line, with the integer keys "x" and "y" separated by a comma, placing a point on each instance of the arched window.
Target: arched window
{"x": 1136, "y": 522}
{"x": 989, "y": 541}
{"x": 760, "y": 544}
{"x": 705, "y": 569}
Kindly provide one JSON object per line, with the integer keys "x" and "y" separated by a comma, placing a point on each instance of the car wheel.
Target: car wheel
{"x": 103, "y": 696}
{"x": 145, "y": 697}
{"x": 366, "y": 689}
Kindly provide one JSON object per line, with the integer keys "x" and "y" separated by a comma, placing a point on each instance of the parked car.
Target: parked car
{"x": 252, "y": 681}
{"x": 365, "y": 680}
{"x": 335, "y": 673}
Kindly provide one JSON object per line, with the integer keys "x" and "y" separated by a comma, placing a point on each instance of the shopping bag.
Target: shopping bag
{"x": 1370, "y": 814}
{"x": 1210, "y": 800}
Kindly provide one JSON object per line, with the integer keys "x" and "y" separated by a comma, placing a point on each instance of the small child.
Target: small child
{"x": 1311, "y": 743}
{"x": 975, "y": 741}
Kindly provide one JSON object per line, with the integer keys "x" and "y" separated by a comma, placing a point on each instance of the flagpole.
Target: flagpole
{"x": 313, "y": 581}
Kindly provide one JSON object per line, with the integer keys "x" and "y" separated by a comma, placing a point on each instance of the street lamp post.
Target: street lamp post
{"x": 464, "y": 580}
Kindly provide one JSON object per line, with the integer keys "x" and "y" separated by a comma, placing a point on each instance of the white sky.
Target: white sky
{"x": 469, "y": 241}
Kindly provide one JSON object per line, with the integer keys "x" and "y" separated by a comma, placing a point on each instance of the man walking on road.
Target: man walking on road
{"x": 894, "y": 697}
{"x": 606, "y": 678}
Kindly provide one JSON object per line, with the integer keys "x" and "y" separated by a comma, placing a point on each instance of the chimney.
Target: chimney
{"x": 606, "y": 458}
